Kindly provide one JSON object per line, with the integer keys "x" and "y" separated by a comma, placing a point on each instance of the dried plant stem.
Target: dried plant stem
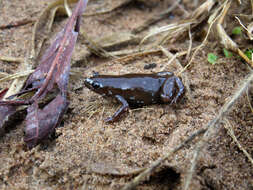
{"x": 171, "y": 57}
{"x": 190, "y": 44}
{"x": 139, "y": 54}
{"x": 95, "y": 47}
{"x": 245, "y": 57}
{"x": 213, "y": 127}
{"x": 251, "y": 108}
{"x": 66, "y": 6}
{"x": 16, "y": 23}
{"x": 226, "y": 40}
{"x": 141, "y": 177}
{"x": 232, "y": 135}
{"x": 124, "y": 3}
{"x": 251, "y": 2}
{"x": 205, "y": 39}
{"x": 157, "y": 18}
{"x": 11, "y": 59}
{"x": 199, "y": 47}
{"x": 145, "y": 53}
{"x": 16, "y": 75}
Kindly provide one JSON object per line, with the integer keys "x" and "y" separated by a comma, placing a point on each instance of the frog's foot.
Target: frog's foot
{"x": 124, "y": 108}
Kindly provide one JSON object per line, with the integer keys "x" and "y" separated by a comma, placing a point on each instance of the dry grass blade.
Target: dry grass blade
{"x": 148, "y": 171}
{"x": 156, "y": 19}
{"x": 177, "y": 30}
{"x": 134, "y": 54}
{"x": 16, "y": 75}
{"x": 117, "y": 40}
{"x": 121, "y": 4}
{"x": 125, "y": 52}
{"x": 6, "y": 77}
{"x": 213, "y": 127}
{"x": 18, "y": 83}
{"x": 248, "y": 99}
{"x": 16, "y": 23}
{"x": 139, "y": 54}
{"x": 66, "y": 6}
{"x": 212, "y": 19}
{"x": 240, "y": 22}
{"x": 232, "y": 135}
{"x": 11, "y": 59}
{"x": 95, "y": 47}
{"x": 171, "y": 29}
{"x": 226, "y": 40}
{"x": 3, "y": 74}
{"x": 249, "y": 28}
{"x": 199, "y": 15}
{"x": 190, "y": 45}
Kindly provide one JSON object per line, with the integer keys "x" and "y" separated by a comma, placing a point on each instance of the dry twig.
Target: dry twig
{"x": 11, "y": 59}
{"x": 122, "y": 4}
{"x": 232, "y": 135}
{"x": 157, "y": 18}
{"x": 248, "y": 99}
{"x": 16, "y": 23}
{"x": 213, "y": 127}
{"x": 148, "y": 171}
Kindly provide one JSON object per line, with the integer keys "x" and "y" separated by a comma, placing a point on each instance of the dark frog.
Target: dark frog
{"x": 136, "y": 90}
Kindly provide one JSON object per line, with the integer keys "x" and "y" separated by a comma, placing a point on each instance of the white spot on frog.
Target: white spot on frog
{"x": 132, "y": 98}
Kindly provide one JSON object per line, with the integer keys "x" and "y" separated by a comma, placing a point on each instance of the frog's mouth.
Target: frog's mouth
{"x": 88, "y": 83}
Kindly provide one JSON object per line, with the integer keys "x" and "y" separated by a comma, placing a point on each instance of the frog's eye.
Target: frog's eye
{"x": 96, "y": 85}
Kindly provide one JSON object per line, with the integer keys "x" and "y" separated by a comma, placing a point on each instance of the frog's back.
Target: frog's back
{"x": 137, "y": 89}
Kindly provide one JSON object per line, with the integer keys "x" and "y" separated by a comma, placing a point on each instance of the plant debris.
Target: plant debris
{"x": 51, "y": 74}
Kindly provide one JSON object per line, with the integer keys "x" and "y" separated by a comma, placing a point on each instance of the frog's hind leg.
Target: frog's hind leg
{"x": 124, "y": 108}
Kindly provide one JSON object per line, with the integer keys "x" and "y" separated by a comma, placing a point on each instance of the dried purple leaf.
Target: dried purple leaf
{"x": 52, "y": 73}
{"x": 41, "y": 123}
{"x": 55, "y": 64}
{"x": 53, "y": 69}
{"x": 5, "y": 111}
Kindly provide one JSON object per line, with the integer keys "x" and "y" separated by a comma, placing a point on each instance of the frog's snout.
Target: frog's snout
{"x": 92, "y": 84}
{"x": 87, "y": 82}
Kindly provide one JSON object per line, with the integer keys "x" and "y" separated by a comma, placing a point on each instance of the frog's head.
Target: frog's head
{"x": 93, "y": 85}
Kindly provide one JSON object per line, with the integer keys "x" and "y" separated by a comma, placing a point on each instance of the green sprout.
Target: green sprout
{"x": 248, "y": 53}
{"x": 227, "y": 53}
{"x": 237, "y": 30}
{"x": 212, "y": 58}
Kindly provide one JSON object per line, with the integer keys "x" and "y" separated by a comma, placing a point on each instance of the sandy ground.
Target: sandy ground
{"x": 89, "y": 154}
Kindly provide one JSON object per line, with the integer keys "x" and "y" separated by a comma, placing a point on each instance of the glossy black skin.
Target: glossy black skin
{"x": 135, "y": 90}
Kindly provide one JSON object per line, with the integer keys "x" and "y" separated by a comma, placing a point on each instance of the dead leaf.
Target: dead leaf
{"x": 41, "y": 123}
{"x": 52, "y": 73}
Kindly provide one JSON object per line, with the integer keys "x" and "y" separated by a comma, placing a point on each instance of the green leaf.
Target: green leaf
{"x": 237, "y": 30}
{"x": 227, "y": 53}
{"x": 248, "y": 53}
{"x": 211, "y": 58}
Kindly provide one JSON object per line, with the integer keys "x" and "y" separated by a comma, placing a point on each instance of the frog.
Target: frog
{"x": 135, "y": 90}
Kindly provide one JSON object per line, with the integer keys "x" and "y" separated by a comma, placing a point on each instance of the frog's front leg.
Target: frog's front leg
{"x": 120, "y": 111}
{"x": 172, "y": 90}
